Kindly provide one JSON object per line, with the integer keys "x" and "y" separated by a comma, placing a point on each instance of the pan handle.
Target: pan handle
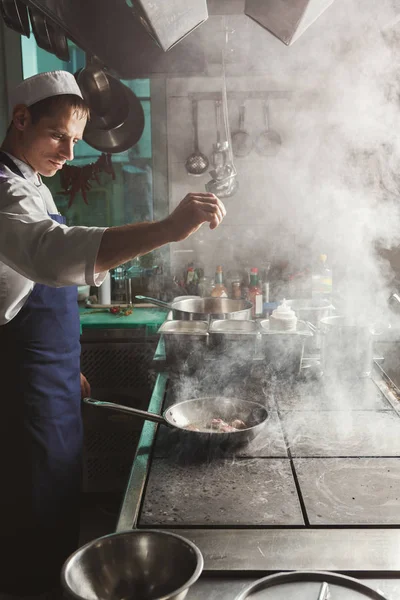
{"x": 127, "y": 409}
{"x": 156, "y": 302}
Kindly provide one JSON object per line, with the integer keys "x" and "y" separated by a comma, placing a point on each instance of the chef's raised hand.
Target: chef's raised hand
{"x": 194, "y": 210}
{"x": 122, "y": 243}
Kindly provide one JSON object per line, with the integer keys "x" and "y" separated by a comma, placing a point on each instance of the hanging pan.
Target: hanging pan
{"x": 58, "y": 41}
{"x": 199, "y": 419}
{"x": 95, "y": 86}
{"x": 39, "y": 30}
{"x": 15, "y": 16}
{"x": 120, "y": 126}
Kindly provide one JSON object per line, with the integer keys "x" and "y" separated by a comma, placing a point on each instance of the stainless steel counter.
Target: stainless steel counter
{"x": 330, "y": 529}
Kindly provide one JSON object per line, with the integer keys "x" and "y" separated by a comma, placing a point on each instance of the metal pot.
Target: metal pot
{"x": 95, "y": 86}
{"x": 282, "y": 352}
{"x": 185, "y": 343}
{"x": 199, "y": 412}
{"x": 205, "y": 309}
{"x": 127, "y": 565}
{"x": 120, "y": 126}
{"x": 312, "y": 310}
{"x": 234, "y": 339}
{"x": 346, "y": 348}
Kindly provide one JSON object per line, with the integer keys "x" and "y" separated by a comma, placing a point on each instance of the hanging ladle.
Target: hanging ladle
{"x": 197, "y": 163}
{"x": 220, "y": 148}
{"x": 269, "y": 141}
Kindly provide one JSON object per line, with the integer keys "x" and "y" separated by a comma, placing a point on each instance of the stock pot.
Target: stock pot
{"x": 347, "y": 347}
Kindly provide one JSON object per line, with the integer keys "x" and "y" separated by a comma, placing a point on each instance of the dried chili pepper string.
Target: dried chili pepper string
{"x": 77, "y": 179}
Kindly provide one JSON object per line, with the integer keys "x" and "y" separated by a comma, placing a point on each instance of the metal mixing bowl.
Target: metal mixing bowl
{"x": 145, "y": 564}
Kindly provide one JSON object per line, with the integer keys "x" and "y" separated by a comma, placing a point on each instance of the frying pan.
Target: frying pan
{"x": 58, "y": 41}
{"x": 95, "y": 86}
{"x": 15, "y": 15}
{"x": 121, "y": 127}
{"x": 39, "y": 29}
{"x": 204, "y": 309}
{"x": 199, "y": 412}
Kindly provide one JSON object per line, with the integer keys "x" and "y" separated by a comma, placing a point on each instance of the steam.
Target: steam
{"x": 334, "y": 186}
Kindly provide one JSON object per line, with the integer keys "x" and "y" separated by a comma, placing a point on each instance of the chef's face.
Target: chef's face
{"x": 45, "y": 145}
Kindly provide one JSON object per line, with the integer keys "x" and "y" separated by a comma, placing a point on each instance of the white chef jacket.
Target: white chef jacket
{"x": 34, "y": 248}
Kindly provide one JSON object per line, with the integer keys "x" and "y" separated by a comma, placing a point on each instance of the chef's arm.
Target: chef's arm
{"x": 57, "y": 255}
{"x": 120, "y": 244}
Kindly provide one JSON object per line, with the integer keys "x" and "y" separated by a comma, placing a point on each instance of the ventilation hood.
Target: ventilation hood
{"x": 286, "y": 19}
{"x": 139, "y": 38}
{"x": 132, "y": 37}
{"x": 168, "y": 22}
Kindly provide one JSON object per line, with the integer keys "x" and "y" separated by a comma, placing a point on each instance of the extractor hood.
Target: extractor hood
{"x": 169, "y": 22}
{"x": 286, "y": 19}
{"x": 139, "y": 38}
{"x": 131, "y": 37}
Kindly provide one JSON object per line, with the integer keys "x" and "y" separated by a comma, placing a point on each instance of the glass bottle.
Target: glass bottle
{"x": 322, "y": 279}
{"x": 219, "y": 290}
{"x": 255, "y": 293}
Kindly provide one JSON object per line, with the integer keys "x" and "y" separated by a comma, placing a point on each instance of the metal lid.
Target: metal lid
{"x": 308, "y": 585}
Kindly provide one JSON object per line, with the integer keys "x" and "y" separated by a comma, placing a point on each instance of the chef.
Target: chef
{"x": 42, "y": 260}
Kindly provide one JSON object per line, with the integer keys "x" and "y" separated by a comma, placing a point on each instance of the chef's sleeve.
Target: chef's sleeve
{"x": 40, "y": 249}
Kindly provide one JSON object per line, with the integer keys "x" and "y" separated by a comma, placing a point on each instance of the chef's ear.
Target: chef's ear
{"x": 21, "y": 116}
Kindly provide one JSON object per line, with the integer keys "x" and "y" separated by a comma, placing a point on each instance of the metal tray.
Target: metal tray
{"x": 184, "y": 328}
{"x": 304, "y": 577}
{"x": 233, "y": 327}
{"x": 301, "y": 329}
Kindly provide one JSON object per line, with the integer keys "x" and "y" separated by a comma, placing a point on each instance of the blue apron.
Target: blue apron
{"x": 40, "y": 436}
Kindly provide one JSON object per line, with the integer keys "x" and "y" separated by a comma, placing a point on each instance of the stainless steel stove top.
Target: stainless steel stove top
{"x": 319, "y": 488}
{"x": 326, "y": 457}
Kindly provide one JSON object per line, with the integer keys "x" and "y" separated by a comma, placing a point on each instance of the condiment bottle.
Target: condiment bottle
{"x": 236, "y": 289}
{"x": 322, "y": 279}
{"x": 255, "y": 293}
{"x": 219, "y": 290}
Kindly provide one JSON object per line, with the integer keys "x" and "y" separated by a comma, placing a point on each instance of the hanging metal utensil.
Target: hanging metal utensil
{"x": 39, "y": 30}
{"x": 58, "y": 41}
{"x": 220, "y": 148}
{"x": 197, "y": 163}
{"x": 242, "y": 144}
{"x": 122, "y": 126}
{"x": 15, "y": 16}
{"x": 269, "y": 141}
{"x": 226, "y": 186}
{"x": 95, "y": 86}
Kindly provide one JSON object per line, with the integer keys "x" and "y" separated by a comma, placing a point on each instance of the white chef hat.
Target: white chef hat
{"x": 44, "y": 85}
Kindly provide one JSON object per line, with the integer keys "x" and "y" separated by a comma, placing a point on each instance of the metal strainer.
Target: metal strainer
{"x": 242, "y": 143}
{"x": 197, "y": 163}
{"x": 269, "y": 141}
